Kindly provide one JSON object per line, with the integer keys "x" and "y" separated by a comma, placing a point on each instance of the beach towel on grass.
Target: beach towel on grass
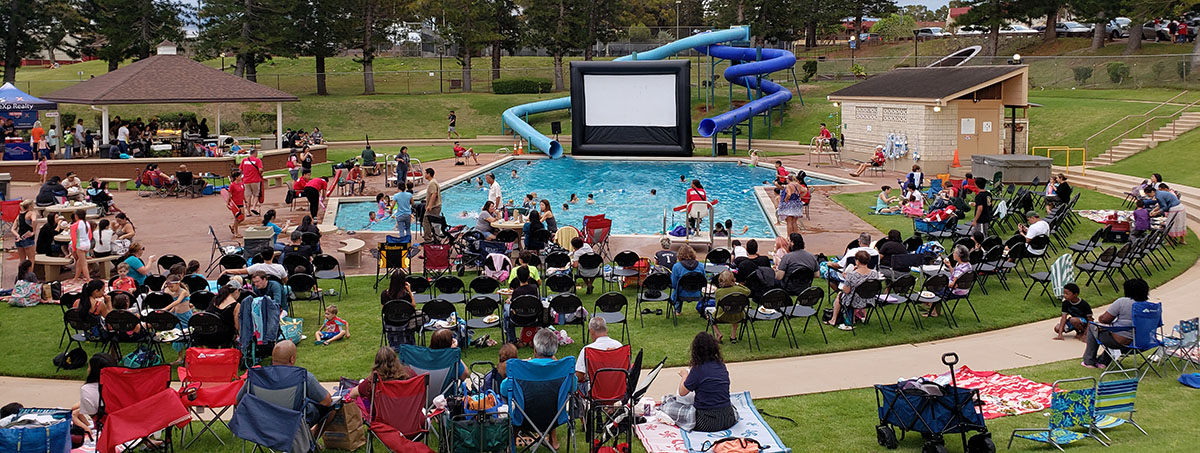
{"x": 660, "y": 438}
{"x": 1001, "y": 394}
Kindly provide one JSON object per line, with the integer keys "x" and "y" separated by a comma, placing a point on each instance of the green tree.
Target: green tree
{"x": 894, "y": 26}
{"x": 506, "y": 31}
{"x": 323, "y": 23}
{"x": 124, "y": 29}
{"x": 603, "y": 21}
{"x": 253, "y": 30}
{"x": 466, "y": 24}
{"x": 555, "y": 25}
{"x": 994, "y": 14}
{"x": 875, "y": 8}
{"x": 370, "y": 28}
{"x": 23, "y": 27}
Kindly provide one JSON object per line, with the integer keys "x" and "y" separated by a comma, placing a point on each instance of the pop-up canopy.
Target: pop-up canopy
{"x": 13, "y": 99}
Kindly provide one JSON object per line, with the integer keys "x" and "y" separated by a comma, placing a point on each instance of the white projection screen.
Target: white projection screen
{"x": 630, "y": 100}
{"x": 632, "y": 108}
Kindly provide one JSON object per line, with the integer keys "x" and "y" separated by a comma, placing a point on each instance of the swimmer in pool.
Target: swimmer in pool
{"x": 591, "y": 199}
{"x": 682, "y": 179}
{"x": 479, "y": 182}
{"x": 566, "y": 207}
{"x": 514, "y": 175}
{"x": 370, "y": 220}
{"x": 653, "y": 191}
{"x": 528, "y": 163}
{"x": 574, "y": 199}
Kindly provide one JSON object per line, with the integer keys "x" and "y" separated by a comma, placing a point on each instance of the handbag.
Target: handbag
{"x": 734, "y": 445}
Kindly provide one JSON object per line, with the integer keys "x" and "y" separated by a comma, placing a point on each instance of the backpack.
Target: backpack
{"x": 142, "y": 357}
{"x": 71, "y": 360}
{"x": 734, "y": 445}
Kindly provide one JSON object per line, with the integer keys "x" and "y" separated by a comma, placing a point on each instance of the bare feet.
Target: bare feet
{"x": 1059, "y": 338}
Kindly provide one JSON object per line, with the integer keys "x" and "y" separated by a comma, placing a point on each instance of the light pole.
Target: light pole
{"x": 915, "y": 61}
{"x": 677, "y": 30}
{"x": 222, "y": 61}
{"x": 853, "y": 45}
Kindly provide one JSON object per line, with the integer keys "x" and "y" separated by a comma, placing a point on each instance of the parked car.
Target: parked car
{"x": 971, "y": 30}
{"x": 869, "y": 37}
{"x": 1018, "y": 29}
{"x": 1152, "y": 31}
{"x": 930, "y": 32}
{"x": 1114, "y": 31}
{"x": 1072, "y": 29}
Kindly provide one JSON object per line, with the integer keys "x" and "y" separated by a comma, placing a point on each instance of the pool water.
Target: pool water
{"x": 620, "y": 189}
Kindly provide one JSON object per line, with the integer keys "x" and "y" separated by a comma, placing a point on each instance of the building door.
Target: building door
{"x": 979, "y": 127}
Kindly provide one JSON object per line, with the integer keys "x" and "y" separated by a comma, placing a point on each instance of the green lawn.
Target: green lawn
{"x": 1165, "y": 159}
{"x": 659, "y": 338}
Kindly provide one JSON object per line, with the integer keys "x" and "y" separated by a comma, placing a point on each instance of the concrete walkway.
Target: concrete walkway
{"x": 1019, "y": 346}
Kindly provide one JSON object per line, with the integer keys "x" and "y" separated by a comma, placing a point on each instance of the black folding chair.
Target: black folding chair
{"x": 304, "y": 288}
{"x": 568, "y": 308}
{"x": 166, "y": 261}
{"x": 486, "y": 287}
{"x": 195, "y": 283}
{"x": 654, "y": 289}
{"x": 436, "y": 309}
{"x": 449, "y": 288}
{"x": 730, "y": 304}
{"x": 478, "y": 309}
{"x": 807, "y": 306}
{"x": 420, "y": 287}
{"x": 899, "y": 294}
{"x": 613, "y": 307}
{"x": 965, "y": 282}
{"x": 692, "y": 282}
{"x": 328, "y": 267}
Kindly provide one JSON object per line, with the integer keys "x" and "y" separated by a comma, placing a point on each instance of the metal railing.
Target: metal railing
{"x": 1146, "y": 125}
{"x": 1087, "y": 142}
{"x": 1068, "y": 149}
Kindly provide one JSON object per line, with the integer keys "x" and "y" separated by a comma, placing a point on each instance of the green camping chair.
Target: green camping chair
{"x": 1115, "y": 396}
{"x": 1068, "y": 409}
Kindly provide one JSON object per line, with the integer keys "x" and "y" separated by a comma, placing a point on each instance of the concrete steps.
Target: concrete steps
{"x": 1119, "y": 185}
{"x": 1170, "y": 131}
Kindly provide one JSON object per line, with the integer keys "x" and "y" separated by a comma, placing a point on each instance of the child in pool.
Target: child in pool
{"x": 682, "y": 179}
{"x": 566, "y": 207}
{"x": 653, "y": 192}
{"x": 591, "y": 199}
{"x": 371, "y": 220}
{"x": 514, "y": 175}
{"x": 574, "y": 199}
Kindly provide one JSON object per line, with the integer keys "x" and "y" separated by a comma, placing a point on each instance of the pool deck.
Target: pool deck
{"x": 180, "y": 226}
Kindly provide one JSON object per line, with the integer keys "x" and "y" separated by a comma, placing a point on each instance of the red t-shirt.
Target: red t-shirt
{"x": 695, "y": 194}
{"x": 299, "y": 185}
{"x": 459, "y": 150}
{"x": 252, "y": 170}
{"x": 316, "y": 183}
{"x": 825, "y": 133}
{"x": 237, "y": 193}
{"x": 781, "y": 173}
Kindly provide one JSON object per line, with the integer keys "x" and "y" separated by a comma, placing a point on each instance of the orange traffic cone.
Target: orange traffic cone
{"x": 955, "y": 163}
{"x": 520, "y": 148}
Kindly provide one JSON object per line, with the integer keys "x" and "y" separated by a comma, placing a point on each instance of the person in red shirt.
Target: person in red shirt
{"x": 298, "y": 186}
{"x": 355, "y": 178}
{"x": 313, "y": 191}
{"x": 236, "y": 202}
{"x": 828, "y": 138}
{"x": 464, "y": 154}
{"x": 252, "y": 168}
{"x": 694, "y": 193}
{"x": 876, "y": 161}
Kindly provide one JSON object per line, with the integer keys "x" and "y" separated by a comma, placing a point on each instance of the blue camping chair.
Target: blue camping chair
{"x": 1115, "y": 397}
{"x": 1068, "y": 409}
{"x": 271, "y": 409}
{"x": 539, "y": 395}
{"x": 1147, "y": 332}
{"x": 935, "y": 186}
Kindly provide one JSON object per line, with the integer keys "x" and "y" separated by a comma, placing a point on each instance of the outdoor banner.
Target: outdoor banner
{"x": 22, "y": 119}
{"x": 18, "y": 151}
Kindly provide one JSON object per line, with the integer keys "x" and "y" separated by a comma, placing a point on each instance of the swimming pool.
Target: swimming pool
{"x": 620, "y": 188}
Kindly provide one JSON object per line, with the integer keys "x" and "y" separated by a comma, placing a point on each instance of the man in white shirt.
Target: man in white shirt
{"x": 1037, "y": 227}
{"x": 123, "y": 138}
{"x": 266, "y": 263}
{"x": 598, "y": 329}
{"x": 864, "y": 244}
{"x": 494, "y": 194}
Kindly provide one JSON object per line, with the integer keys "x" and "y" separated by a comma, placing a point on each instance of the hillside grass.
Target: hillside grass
{"x": 1172, "y": 159}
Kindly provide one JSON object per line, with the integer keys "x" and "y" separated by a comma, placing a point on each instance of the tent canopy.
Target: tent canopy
{"x": 12, "y": 98}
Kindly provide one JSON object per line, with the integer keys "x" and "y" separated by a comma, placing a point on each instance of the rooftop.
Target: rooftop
{"x": 167, "y": 79}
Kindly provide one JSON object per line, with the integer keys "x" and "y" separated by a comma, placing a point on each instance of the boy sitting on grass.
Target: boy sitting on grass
{"x": 335, "y": 328}
{"x": 1076, "y": 314}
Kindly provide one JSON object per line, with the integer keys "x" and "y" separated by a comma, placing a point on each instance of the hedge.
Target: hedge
{"x": 522, "y": 86}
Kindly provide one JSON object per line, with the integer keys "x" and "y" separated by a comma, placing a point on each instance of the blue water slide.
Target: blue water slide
{"x": 515, "y": 117}
{"x": 745, "y": 74}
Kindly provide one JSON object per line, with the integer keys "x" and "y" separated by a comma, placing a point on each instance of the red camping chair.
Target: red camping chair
{"x": 589, "y": 218}
{"x": 436, "y": 259}
{"x": 596, "y": 233}
{"x": 9, "y": 211}
{"x": 136, "y": 404}
{"x": 210, "y": 380}
{"x": 395, "y": 416}
{"x": 608, "y": 378}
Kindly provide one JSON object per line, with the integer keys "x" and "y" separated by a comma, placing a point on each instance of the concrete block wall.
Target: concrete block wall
{"x": 26, "y": 171}
{"x": 933, "y": 134}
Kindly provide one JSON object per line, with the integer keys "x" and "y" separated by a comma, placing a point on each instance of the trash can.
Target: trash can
{"x": 1017, "y": 168}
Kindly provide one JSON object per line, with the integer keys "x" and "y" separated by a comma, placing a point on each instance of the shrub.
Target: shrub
{"x": 1183, "y": 68}
{"x": 229, "y": 127}
{"x": 1118, "y": 71}
{"x": 810, "y": 70}
{"x": 1158, "y": 69}
{"x": 1082, "y": 74}
{"x": 258, "y": 121}
{"x": 522, "y": 86}
{"x": 858, "y": 70}
{"x": 68, "y": 120}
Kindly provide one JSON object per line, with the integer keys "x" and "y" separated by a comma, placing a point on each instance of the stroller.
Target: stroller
{"x": 934, "y": 411}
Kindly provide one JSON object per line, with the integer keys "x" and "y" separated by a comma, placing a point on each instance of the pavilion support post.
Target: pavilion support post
{"x": 58, "y": 127}
{"x": 278, "y": 125}
{"x": 104, "y": 124}
{"x": 218, "y": 122}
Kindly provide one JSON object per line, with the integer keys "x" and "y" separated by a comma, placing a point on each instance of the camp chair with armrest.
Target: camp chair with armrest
{"x": 1116, "y": 392}
{"x": 136, "y": 403}
{"x": 597, "y": 233}
{"x": 444, "y": 366}
{"x": 436, "y": 259}
{"x": 1183, "y": 344}
{"x": 613, "y": 307}
{"x": 209, "y": 381}
{"x": 271, "y": 409}
{"x": 390, "y": 257}
{"x": 396, "y": 416}
{"x": 539, "y": 395}
{"x": 1147, "y": 332}
{"x": 607, "y": 394}
{"x": 1068, "y": 409}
